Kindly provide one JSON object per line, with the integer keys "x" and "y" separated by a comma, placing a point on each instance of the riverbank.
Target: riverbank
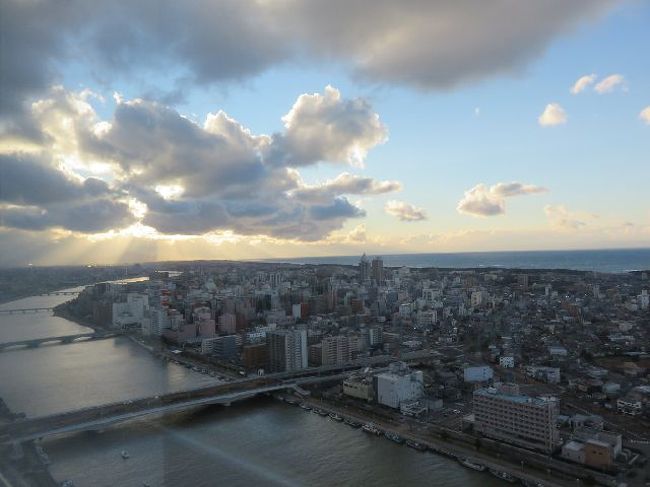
{"x": 443, "y": 443}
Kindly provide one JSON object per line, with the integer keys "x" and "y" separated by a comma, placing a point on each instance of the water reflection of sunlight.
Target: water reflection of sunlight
{"x": 258, "y": 470}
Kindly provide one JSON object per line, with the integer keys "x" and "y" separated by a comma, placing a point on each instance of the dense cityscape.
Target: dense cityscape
{"x": 531, "y": 375}
{"x": 324, "y": 243}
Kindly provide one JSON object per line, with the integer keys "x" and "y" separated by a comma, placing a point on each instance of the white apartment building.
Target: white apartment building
{"x": 399, "y": 384}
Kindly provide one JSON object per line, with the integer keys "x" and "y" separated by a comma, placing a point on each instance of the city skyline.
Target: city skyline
{"x": 125, "y": 136}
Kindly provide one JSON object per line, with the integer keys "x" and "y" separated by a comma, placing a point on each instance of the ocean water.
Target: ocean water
{"x": 609, "y": 260}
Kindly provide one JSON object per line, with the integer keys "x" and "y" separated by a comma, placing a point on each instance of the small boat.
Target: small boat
{"x": 322, "y": 413}
{"x": 503, "y": 476}
{"x": 531, "y": 483}
{"x": 352, "y": 423}
{"x": 416, "y": 446}
{"x": 125, "y": 454}
{"x": 474, "y": 466}
{"x": 292, "y": 402}
{"x": 335, "y": 417}
{"x": 305, "y": 407}
{"x": 394, "y": 437}
{"x": 371, "y": 428}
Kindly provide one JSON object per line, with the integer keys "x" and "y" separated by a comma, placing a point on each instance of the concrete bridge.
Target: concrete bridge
{"x": 60, "y": 293}
{"x": 25, "y": 310}
{"x": 100, "y": 417}
{"x": 66, "y": 339}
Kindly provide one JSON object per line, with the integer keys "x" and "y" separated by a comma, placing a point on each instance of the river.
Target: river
{"x": 259, "y": 442}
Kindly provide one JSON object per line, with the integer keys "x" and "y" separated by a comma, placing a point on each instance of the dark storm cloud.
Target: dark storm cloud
{"x": 228, "y": 178}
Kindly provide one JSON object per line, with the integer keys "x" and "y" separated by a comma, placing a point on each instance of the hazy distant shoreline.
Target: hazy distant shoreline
{"x": 609, "y": 260}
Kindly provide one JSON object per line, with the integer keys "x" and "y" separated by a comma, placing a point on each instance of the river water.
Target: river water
{"x": 259, "y": 442}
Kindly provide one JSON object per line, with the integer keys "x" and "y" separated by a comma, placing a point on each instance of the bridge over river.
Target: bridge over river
{"x": 42, "y": 309}
{"x": 100, "y": 417}
{"x": 65, "y": 339}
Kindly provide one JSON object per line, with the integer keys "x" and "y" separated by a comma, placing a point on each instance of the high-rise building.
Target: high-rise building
{"x": 336, "y": 350}
{"x": 505, "y": 415}
{"x": 377, "y": 270}
{"x": 364, "y": 268}
{"x": 287, "y": 350}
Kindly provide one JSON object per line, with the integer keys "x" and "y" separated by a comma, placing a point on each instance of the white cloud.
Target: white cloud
{"x": 325, "y": 127}
{"x": 552, "y": 115}
{"x": 404, "y": 211}
{"x": 582, "y": 83}
{"x": 560, "y": 217}
{"x": 185, "y": 178}
{"x": 610, "y": 83}
{"x": 482, "y": 200}
{"x": 645, "y": 115}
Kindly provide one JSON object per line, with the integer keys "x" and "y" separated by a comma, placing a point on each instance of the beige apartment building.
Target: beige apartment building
{"x": 503, "y": 414}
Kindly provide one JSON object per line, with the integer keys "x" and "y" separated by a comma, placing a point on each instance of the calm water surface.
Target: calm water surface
{"x": 260, "y": 442}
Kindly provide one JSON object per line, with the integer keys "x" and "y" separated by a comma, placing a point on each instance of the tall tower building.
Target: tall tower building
{"x": 287, "y": 350}
{"x": 364, "y": 268}
{"x": 377, "y": 271}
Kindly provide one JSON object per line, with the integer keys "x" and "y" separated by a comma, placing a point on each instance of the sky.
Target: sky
{"x": 239, "y": 129}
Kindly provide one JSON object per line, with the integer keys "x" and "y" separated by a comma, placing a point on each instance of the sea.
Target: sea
{"x": 608, "y": 260}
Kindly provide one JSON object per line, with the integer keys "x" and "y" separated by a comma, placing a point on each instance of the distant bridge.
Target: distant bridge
{"x": 100, "y": 417}
{"x": 60, "y": 293}
{"x": 66, "y": 339}
{"x": 25, "y": 310}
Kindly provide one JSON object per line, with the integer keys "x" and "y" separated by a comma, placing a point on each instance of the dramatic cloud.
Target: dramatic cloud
{"x": 583, "y": 83}
{"x": 429, "y": 45}
{"x": 482, "y": 200}
{"x": 405, "y": 211}
{"x": 35, "y": 195}
{"x": 174, "y": 176}
{"x": 609, "y": 84}
{"x": 324, "y": 127}
{"x": 645, "y": 115}
{"x": 27, "y": 179}
{"x": 92, "y": 216}
{"x": 559, "y": 217}
{"x": 432, "y": 44}
{"x": 552, "y": 115}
